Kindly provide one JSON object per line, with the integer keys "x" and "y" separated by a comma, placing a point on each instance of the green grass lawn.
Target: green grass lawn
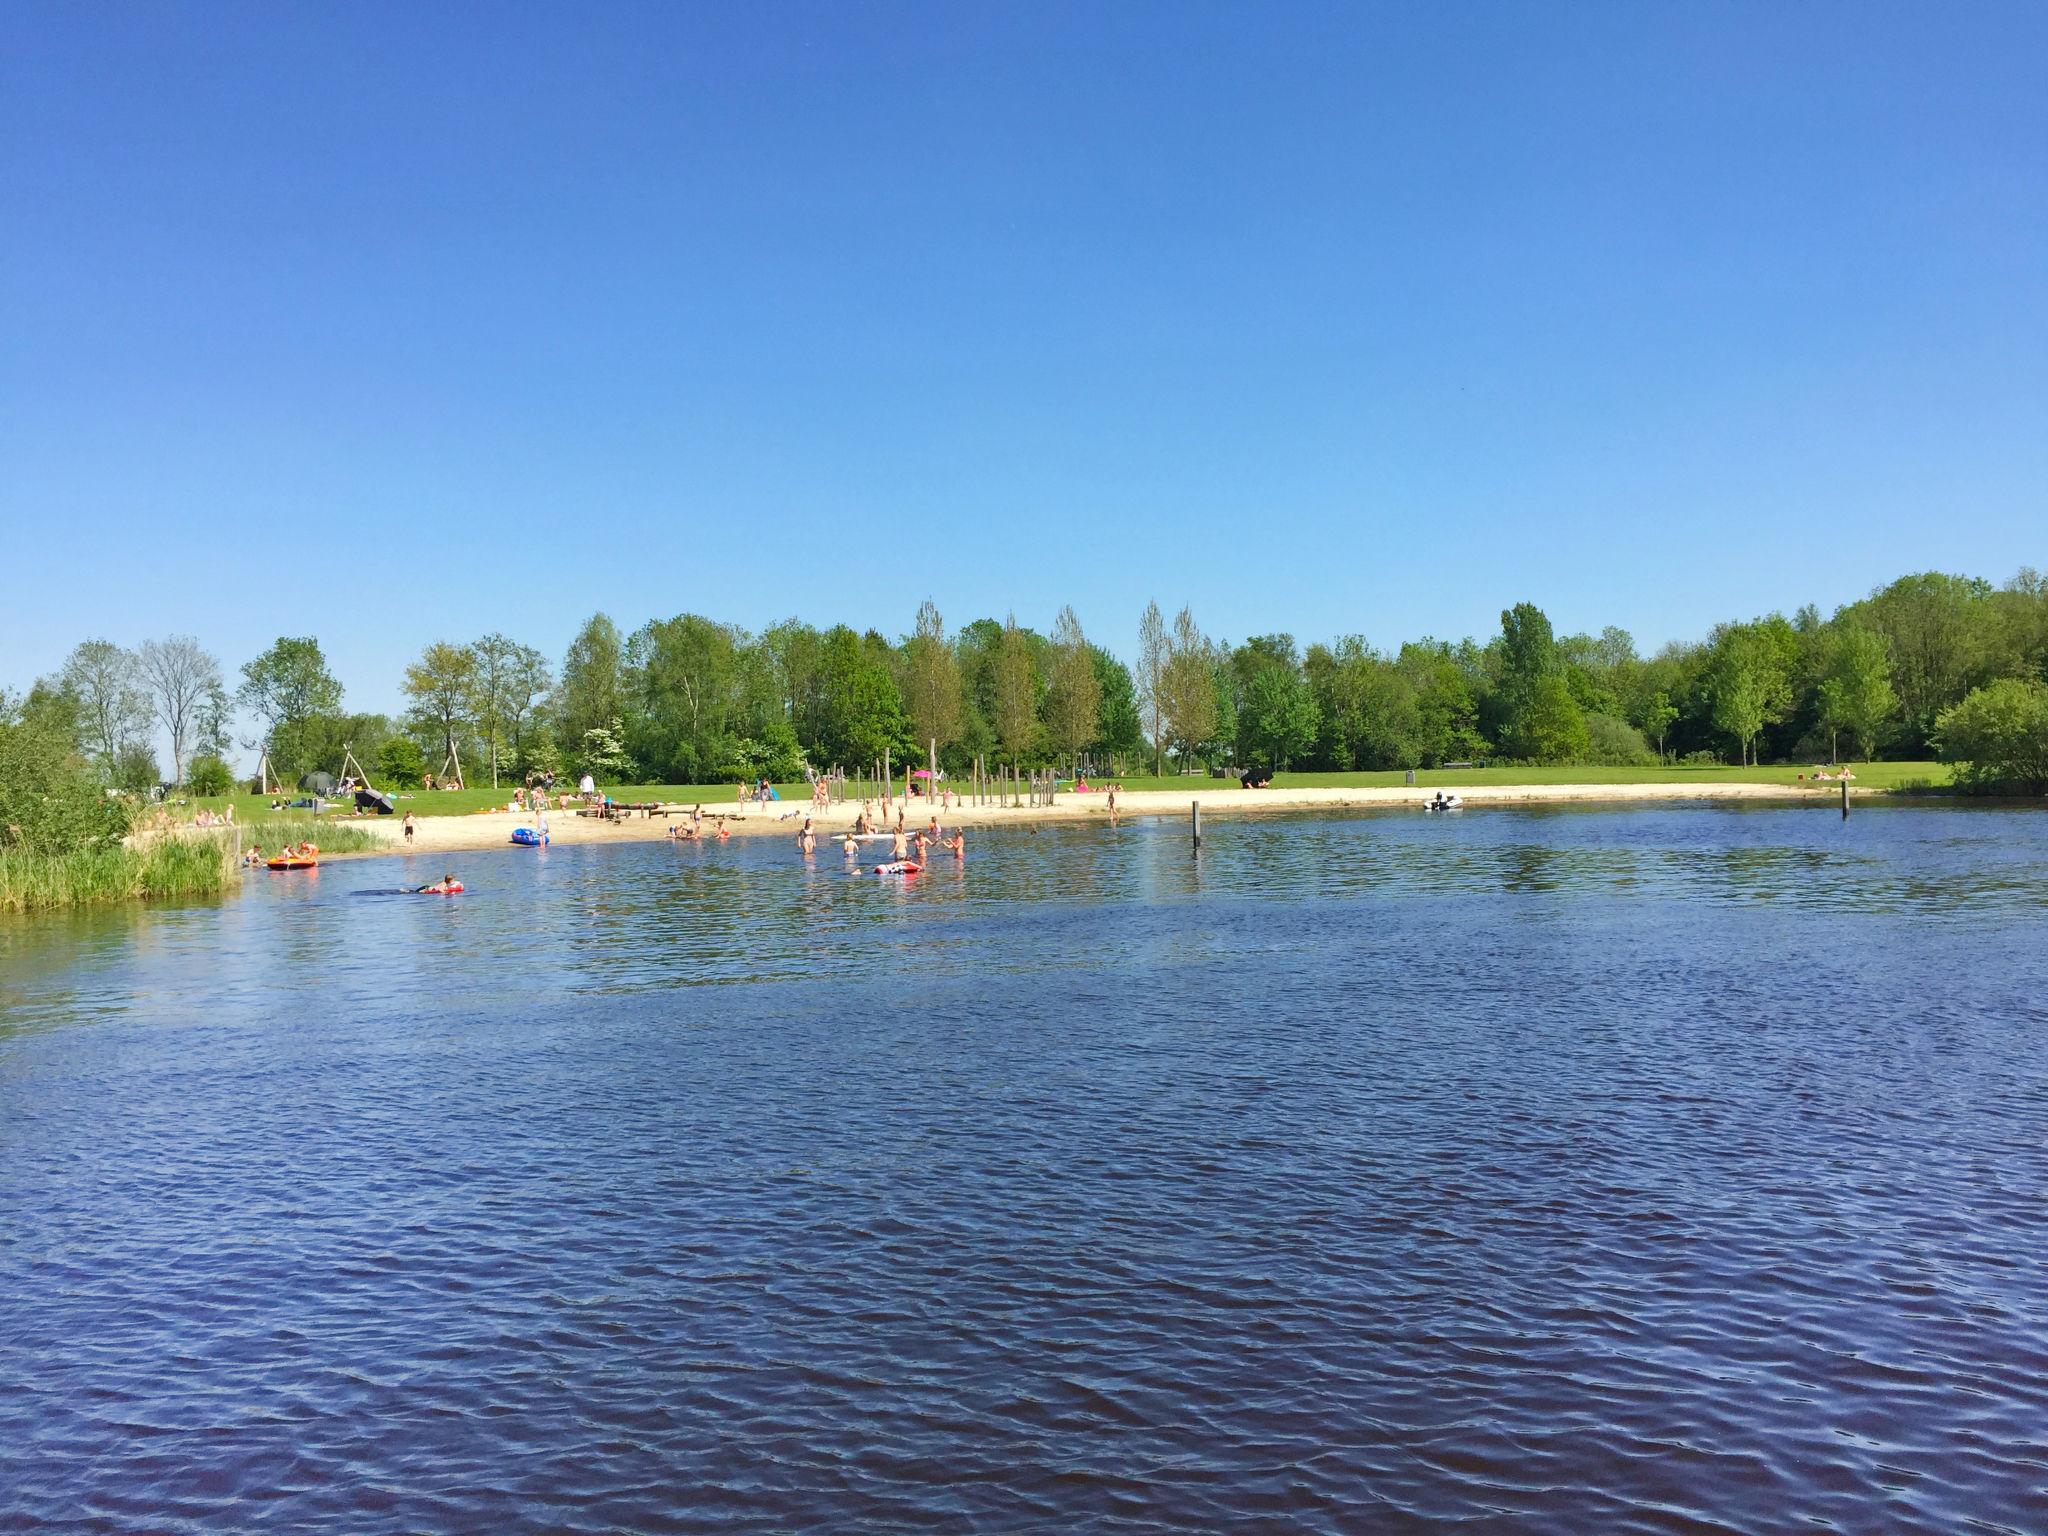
{"x": 253, "y": 810}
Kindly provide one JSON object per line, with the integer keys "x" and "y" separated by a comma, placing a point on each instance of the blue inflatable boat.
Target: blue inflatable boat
{"x": 526, "y": 837}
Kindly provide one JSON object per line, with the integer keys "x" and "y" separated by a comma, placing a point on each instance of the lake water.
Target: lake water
{"x": 1645, "y": 1170}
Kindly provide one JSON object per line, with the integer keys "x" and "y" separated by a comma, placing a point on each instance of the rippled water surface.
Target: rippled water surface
{"x": 1644, "y": 1170}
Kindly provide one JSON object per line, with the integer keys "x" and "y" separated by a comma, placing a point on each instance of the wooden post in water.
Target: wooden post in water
{"x": 1195, "y": 822}
{"x": 1845, "y": 799}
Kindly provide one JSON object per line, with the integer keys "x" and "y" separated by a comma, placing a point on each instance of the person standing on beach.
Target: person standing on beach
{"x": 408, "y": 826}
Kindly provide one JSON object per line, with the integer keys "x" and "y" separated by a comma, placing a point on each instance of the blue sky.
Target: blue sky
{"x": 398, "y": 323}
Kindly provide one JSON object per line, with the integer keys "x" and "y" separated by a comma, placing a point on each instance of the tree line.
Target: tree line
{"x": 1930, "y": 664}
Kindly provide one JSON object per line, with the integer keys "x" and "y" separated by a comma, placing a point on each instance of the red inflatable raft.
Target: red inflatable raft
{"x": 293, "y": 863}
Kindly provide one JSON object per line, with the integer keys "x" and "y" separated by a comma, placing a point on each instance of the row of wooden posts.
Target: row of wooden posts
{"x": 984, "y": 784}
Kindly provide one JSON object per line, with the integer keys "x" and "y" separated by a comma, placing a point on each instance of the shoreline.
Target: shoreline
{"x": 480, "y": 831}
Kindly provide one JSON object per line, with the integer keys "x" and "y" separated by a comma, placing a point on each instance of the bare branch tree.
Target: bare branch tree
{"x": 181, "y": 678}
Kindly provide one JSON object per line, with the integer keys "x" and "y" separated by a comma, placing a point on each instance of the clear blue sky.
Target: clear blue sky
{"x": 390, "y": 323}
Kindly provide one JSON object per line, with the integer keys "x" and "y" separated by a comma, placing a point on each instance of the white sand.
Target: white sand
{"x": 434, "y": 834}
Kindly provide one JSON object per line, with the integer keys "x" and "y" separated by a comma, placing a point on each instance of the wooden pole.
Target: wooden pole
{"x": 1195, "y": 820}
{"x": 1845, "y": 799}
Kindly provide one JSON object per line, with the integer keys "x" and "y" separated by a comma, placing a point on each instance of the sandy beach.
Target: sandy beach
{"x": 434, "y": 834}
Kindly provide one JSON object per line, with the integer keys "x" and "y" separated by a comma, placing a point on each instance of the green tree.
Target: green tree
{"x": 1277, "y": 714}
{"x": 1120, "y": 733}
{"x": 400, "y": 764}
{"x": 510, "y": 680}
{"x": 686, "y": 676}
{"x": 1553, "y": 727}
{"x": 860, "y": 712}
{"x": 51, "y": 801}
{"x": 209, "y": 774}
{"x": 1748, "y": 682}
{"x": 931, "y": 680}
{"x": 291, "y": 691}
{"x": 1150, "y": 679}
{"x": 1997, "y": 737}
{"x": 1940, "y": 634}
{"x": 1016, "y": 693}
{"x": 1855, "y": 693}
{"x": 1073, "y": 699}
{"x": 1187, "y": 690}
{"x": 593, "y": 692}
{"x": 442, "y": 686}
{"x": 1657, "y": 716}
{"x": 113, "y": 710}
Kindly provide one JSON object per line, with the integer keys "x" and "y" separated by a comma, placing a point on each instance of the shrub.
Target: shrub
{"x": 1997, "y": 737}
{"x": 208, "y": 775}
{"x": 50, "y": 803}
{"x": 400, "y": 764}
{"x": 1614, "y": 743}
{"x": 136, "y": 770}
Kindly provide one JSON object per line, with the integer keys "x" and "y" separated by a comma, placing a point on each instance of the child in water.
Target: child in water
{"x": 958, "y": 844}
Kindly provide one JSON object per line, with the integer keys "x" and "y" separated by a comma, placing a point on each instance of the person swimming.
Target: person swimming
{"x": 446, "y": 885}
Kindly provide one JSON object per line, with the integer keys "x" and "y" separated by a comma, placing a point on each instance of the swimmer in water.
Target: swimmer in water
{"x": 958, "y": 844}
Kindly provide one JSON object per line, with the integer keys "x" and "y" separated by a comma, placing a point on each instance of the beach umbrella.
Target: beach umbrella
{"x": 920, "y": 773}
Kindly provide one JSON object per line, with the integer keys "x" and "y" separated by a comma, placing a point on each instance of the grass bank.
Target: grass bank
{"x": 157, "y": 870}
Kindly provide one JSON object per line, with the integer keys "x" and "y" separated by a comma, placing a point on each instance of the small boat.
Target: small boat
{"x": 526, "y": 837}
{"x": 1444, "y": 803}
{"x": 899, "y": 867}
{"x": 293, "y": 863}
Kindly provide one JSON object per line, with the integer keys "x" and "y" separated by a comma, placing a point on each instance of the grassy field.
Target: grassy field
{"x": 257, "y": 820}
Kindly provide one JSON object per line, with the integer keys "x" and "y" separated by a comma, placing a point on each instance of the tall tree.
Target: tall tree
{"x": 180, "y": 678}
{"x": 1073, "y": 700}
{"x": 1016, "y": 693}
{"x": 1749, "y": 684}
{"x": 1151, "y": 681}
{"x": 1187, "y": 688}
{"x": 113, "y": 710}
{"x": 442, "y": 686}
{"x": 1119, "y": 734}
{"x": 291, "y": 691}
{"x": 931, "y": 680}
{"x": 1277, "y": 715}
{"x": 1855, "y": 692}
{"x": 1940, "y": 635}
{"x": 592, "y": 694}
{"x": 492, "y": 659}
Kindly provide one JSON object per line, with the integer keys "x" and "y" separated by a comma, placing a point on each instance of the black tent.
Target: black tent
{"x": 375, "y": 800}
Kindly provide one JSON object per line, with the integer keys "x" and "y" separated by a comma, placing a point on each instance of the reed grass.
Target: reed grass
{"x": 161, "y": 869}
{"x": 327, "y": 833}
